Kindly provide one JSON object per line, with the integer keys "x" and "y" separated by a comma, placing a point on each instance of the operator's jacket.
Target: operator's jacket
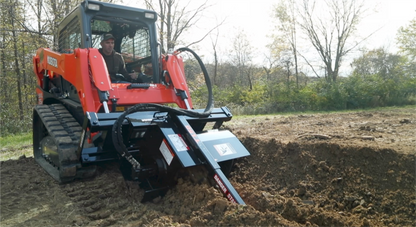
{"x": 115, "y": 65}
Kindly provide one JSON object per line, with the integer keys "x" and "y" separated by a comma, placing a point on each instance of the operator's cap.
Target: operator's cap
{"x": 107, "y": 37}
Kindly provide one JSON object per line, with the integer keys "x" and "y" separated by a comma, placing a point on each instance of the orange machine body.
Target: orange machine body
{"x": 86, "y": 70}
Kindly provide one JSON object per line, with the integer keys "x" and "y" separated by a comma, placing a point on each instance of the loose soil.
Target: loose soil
{"x": 337, "y": 169}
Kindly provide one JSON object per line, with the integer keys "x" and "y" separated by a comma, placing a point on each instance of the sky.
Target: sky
{"x": 390, "y": 16}
{"x": 254, "y": 17}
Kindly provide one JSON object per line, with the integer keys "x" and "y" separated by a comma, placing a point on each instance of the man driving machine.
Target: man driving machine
{"x": 115, "y": 62}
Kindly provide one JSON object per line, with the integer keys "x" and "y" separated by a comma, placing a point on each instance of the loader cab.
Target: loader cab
{"x": 134, "y": 31}
{"x": 132, "y": 41}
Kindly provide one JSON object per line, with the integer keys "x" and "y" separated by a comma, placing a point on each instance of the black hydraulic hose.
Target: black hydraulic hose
{"x": 117, "y": 134}
{"x": 210, "y": 104}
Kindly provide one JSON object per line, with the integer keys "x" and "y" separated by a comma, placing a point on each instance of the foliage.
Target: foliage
{"x": 406, "y": 39}
{"x": 17, "y": 80}
{"x": 379, "y": 78}
{"x": 384, "y": 82}
{"x": 9, "y": 123}
{"x": 382, "y": 79}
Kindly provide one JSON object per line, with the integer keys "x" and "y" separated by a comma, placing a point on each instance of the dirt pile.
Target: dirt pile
{"x": 355, "y": 169}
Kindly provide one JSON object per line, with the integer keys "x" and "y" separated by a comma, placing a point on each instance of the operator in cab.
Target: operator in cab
{"x": 115, "y": 62}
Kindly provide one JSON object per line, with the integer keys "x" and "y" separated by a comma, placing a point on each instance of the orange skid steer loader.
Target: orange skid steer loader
{"x": 83, "y": 118}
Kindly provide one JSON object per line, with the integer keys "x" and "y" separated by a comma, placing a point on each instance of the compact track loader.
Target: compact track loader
{"x": 83, "y": 118}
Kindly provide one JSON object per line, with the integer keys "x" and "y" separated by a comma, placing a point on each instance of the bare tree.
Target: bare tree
{"x": 330, "y": 29}
{"x": 286, "y": 61}
{"x": 273, "y": 59}
{"x": 285, "y": 12}
{"x": 12, "y": 14}
{"x": 58, "y": 9}
{"x": 45, "y": 16}
{"x": 242, "y": 56}
{"x": 36, "y": 7}
{"x": 214, "y": 43}
{"x": 271, "y": 64}
{"x": 176, "y": 20}
{"x": 5, "y": 27}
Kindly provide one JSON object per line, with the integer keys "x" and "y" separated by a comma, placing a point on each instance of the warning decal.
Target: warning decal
{"x": 224, "y": 149}
{"x": 166, "y": 152}
{"x": 178, "y": 142}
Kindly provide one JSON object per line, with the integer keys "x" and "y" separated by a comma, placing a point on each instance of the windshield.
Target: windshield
{"x": 132, "y": 39}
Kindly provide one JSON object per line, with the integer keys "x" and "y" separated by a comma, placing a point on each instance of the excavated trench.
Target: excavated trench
{"x": 312, "y": 183}
{"x": 307, "y": 181}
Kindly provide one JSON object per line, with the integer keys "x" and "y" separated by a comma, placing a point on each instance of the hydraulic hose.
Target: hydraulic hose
{"x": 210, "y": 103}
{"x": 117, "y": 134}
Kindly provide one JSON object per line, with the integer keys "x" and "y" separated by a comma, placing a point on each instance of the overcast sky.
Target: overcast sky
{"x": 255, "y": 18}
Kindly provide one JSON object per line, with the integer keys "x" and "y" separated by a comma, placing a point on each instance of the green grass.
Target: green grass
{"x": 12, "y": 147}
{"x": 404, "y": 109}
{"x": 15, "y": 146}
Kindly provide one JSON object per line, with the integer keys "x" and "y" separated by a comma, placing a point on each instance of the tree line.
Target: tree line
{"x": 378, "y": 78}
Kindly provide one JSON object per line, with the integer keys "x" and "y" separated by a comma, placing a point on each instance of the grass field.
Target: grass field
{"x": 13, "y": 147}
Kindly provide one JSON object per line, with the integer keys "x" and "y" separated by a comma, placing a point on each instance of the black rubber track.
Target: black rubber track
{"x": 55, "y": 121}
